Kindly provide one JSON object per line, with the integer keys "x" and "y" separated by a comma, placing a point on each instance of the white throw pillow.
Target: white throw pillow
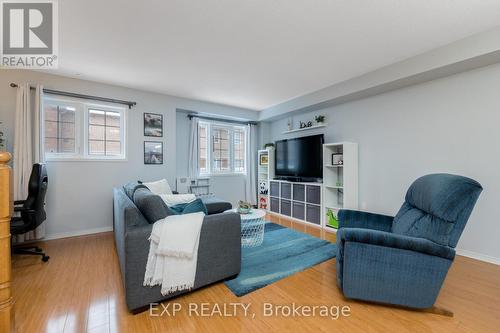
{"x": 175, "y": 199}
{"x": 159, "y": 187}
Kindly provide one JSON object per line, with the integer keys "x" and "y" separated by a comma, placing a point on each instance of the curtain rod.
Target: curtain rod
{"x": 190, "y": 116}
{"x": 70, "y": 94}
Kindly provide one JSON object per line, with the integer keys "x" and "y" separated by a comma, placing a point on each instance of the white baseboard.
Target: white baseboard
{"x": 77, "y": 233}
{"x": 59, "y": 235}
{"x": 478, "y": 256}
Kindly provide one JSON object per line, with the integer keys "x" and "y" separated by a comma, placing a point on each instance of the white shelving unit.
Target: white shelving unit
{"x": 265, "y": 174}
{"x": 340, "y": 179}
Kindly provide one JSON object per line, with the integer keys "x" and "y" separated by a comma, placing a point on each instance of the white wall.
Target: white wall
{"x": 447, "y": 125}
{"x": 79, "y": 198}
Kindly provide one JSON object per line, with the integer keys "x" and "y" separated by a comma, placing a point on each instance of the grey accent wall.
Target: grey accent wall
{"x": 447, "y": 125}
{"x": 79, "y": 199}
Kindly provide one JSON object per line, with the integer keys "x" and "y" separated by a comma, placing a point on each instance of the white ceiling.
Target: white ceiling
{"x": 254, "y": 53}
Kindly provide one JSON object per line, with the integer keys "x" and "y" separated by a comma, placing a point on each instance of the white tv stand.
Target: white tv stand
{"x": 310, "y": 202}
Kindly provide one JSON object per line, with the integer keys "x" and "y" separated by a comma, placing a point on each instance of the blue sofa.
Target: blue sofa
{"x": 403, "y": 260}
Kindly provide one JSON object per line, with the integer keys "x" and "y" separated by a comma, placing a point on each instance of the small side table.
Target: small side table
{"x": 252, "y": 227}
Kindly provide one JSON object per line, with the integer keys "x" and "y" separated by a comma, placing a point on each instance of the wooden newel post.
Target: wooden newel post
{"x": 6, "y": 301}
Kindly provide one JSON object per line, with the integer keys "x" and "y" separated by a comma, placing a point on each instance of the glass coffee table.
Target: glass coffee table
{"x": 252, "y": 227}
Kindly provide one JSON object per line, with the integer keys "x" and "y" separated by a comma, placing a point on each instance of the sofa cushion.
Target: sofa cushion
{"x": 131, "y": 187}
{"x": 159, "y": 187}
{"x": 191, "y": 207}
{"x": 151, "y": 205}
{"x": 215, "y": 205}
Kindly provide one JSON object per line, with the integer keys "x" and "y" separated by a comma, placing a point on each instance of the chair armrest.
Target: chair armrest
{"x": 19, "y": 202}
{"x": 358, "y": 219}
{"x": 24, "y": 210}
{"x": 387, "y": 239}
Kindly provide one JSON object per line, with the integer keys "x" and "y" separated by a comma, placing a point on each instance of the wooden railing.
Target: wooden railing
{"x": 6, "y": 301}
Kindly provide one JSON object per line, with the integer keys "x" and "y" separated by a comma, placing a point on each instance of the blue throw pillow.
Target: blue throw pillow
{"x": 192, "y": 207}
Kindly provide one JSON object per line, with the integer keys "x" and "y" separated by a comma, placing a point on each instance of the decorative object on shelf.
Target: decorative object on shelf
{"x": 153, "y": 152}
{"x": 269, "y": 145}
{"x": 264, "y": 159}
{"x": 320, "y": 119}
{"x": 332, "y": 219}
{"x": 306, "y": 125}
{"x": 262, "y": 202}
{"x": 244, "y": 207}
{"x": 289, "y": 124}
{"x": 337, "y": 159}
{"x": 339, "y": 184}
{"x": 263, "y": 187}
{"x": 153, "y": 125}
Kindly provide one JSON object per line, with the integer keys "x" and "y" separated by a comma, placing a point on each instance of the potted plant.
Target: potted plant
{"x": 244, "y": 207}
{"x": 320, "y": 119}
{"x": 270, "y": 145}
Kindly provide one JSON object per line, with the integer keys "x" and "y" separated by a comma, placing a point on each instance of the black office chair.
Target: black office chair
{"x": 32, "y": 210}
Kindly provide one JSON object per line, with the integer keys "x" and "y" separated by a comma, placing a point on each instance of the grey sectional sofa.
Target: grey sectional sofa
{"x": 219, "y": 252}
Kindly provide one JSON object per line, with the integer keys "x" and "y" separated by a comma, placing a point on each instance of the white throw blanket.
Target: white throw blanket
{"x": 173, "y": 252}
{"x": 175, "y": 199}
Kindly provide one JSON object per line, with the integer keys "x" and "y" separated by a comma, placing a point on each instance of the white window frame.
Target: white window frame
{"x": 78, "y": 115}
{"x": 230, "y": 127}
{"x": 207, "y": 156}
{"x": 82, "y": 130}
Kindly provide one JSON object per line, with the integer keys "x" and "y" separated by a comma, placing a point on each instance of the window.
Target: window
{"x": 60, "y": 129}
{"x": 69, "y": 123}
{"x": 104, "y": 133}
{"x": 239, "y": 150}
{"x": 202, "y": 148}
{"x": 221, "y": 148}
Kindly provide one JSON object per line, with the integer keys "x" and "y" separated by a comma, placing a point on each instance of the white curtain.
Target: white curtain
{"x": 251, "y": 179}
{"x": 193, "y": 149}
{"x": 27, "y": 146}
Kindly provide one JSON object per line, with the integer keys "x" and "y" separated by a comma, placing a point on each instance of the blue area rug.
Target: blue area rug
{"x": 284, "y": 252}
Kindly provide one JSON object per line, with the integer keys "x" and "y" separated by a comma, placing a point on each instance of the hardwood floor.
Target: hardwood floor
{"x": 80, "y": 290}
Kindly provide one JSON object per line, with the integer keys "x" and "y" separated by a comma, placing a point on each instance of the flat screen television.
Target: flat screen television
{"x": 300, "y": 159}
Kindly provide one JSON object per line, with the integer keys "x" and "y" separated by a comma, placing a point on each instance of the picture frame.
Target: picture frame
{"x": 264, "y": 159}
{"x": 153, "y": 152}
{"x": 153, "y": 124}
{"x": 337, "y": 159}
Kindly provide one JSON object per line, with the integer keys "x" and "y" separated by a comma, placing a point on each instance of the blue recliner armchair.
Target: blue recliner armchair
{"x": 404, "y": 260}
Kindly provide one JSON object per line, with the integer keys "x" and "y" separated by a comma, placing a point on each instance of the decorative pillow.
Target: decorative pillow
{"x": 151, "y": 205}
{"x": 131, "y": 187}
{"x": 159, "y": 187}
{"x": 188, "y": 208}
{"x": 177, "y": 199}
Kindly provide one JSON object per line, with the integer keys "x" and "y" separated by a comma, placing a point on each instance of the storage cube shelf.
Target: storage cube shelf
{"x": 299, "y": 201}
{"x": 340, "y": 180}
{"x": 265, "y": 173}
